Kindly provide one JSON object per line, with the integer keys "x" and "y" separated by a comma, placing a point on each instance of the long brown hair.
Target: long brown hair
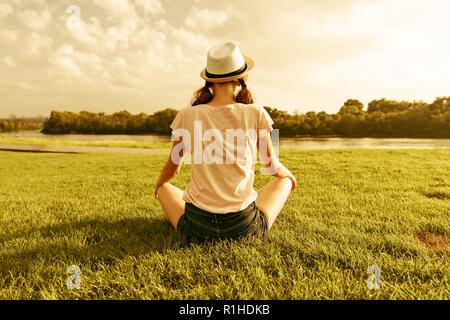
{"x": 204, "y": 94}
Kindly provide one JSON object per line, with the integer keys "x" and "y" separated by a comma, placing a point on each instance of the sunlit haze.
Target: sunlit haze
{"x": 146, "y": 55}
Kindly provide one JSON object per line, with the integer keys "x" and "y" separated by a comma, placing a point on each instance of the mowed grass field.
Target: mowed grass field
{"x": 81, "y": 143}
{"x": 353, "y": 208}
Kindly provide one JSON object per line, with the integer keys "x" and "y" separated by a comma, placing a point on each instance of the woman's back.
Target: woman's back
{"x": 222, "y": 144}
{"x": 220, "y": 134}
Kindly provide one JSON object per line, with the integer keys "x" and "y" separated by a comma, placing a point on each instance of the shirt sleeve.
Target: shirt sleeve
{"x": 177, "y": 123}
{"x": 265, "y": 121}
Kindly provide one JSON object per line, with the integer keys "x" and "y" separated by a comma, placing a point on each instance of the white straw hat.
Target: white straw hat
{"x": 225, "y": 62}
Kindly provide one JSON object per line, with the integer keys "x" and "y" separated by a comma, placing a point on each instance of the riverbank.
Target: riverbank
{"x": 62, "y": 142}
{"x": 163, "y": 142}
{"x": 81, "y": 149}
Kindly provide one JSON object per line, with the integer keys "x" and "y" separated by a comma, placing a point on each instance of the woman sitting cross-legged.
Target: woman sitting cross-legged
{"x": 221, "y": 133}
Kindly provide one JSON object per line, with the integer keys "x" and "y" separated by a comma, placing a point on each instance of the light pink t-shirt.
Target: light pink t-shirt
{"x": 227, "y": 186}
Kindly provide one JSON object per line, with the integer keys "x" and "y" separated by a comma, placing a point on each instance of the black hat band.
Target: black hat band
{"x": 226, "y": 75}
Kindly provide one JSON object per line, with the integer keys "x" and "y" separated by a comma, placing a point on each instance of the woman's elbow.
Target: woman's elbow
{"x": 173, "y": 168}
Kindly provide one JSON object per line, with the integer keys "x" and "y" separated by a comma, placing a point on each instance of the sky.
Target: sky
{"x": 146, "y": 55}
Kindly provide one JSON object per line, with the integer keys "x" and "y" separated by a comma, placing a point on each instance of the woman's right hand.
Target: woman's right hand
{"x": 283, "y": 172}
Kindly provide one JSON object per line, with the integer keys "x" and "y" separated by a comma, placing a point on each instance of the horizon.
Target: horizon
{"x": 138, "y": 55}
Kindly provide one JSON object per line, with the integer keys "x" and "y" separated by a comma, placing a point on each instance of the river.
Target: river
{"x": 296, "y": 143}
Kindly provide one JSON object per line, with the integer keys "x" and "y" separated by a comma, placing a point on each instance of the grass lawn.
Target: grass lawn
{"x": 353, "y": 208}
{"x": 80, "y": 143}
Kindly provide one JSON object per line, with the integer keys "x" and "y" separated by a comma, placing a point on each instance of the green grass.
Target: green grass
{"x": 80, "y": 143}
{"x": 353, "y": 208}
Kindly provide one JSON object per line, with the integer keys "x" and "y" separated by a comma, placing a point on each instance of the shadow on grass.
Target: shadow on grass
{"x": 91, "y": 242}
{"x": 437, "y": 195}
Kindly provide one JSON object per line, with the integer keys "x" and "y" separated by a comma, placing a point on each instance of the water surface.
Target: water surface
{"x": 296, "y": 143}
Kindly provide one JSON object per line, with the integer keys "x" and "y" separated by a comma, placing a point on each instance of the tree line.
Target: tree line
{"x": 121, "y": 122}
{"x": 383, "y": 118}
{"x": 14, "y": 124}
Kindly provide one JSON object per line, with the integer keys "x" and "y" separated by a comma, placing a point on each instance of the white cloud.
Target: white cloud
{"x": 5, "y": 10}
{"x": 9, "y": 62}
{"x": 148, "y": 37}
{"x": 69, "y": 65}
{"x": 9, "y": 35}
{"x": 77, "y": 63}
{"x": 162, "y": 25}
{"x": 190, "y": 39}
{"x": 157, "y": 61}
{"x": 179, "y": 54}
{"x": 205, "y": 18}
{"x": 34, "y": 20}
{"x": 65, "y": 50}
{"x": 124, "y": 24}
{"x": 35, "y": 43}
{"x": 115, "y": 38}
{"x": 116, "y": 8}
{"x": 150, "y": 7}
{"x": 85, "y": 33}
{"x": 120, "y": 61}
{"x": 129, "y": 23}
{"x": 90, "y": 62}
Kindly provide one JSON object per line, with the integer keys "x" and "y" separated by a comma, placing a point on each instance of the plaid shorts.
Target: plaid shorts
{"x": 198, "y": 224}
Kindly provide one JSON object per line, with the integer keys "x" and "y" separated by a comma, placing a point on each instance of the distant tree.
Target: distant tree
{"x": 8, "y": 125}
{"x": 440, "y": 105}
{"x": 352, "y": 106}
{"x": 387, "y": 106}
{"x": 160, "y": 121}
{"x": 276, "y": 114}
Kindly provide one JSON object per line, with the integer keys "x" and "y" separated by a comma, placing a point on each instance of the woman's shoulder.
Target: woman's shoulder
{"x": 185, "y": 109}
{"x": 254, "y": 108}
{"x": 251, "y": 107}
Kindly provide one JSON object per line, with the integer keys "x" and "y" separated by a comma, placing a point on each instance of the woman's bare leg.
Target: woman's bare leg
{"x": 171, "y": 199}
{"x": 272, "y": 196}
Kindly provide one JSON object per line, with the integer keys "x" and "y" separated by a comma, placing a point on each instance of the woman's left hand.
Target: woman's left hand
{"x": 156, "y": 189}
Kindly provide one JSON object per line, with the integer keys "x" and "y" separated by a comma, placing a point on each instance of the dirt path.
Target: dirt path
{"x": 80, "y": 150}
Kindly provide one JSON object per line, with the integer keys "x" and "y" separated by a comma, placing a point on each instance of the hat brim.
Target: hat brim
{"x": 250, "y": 64}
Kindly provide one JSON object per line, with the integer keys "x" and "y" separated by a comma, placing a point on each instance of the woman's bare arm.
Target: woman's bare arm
{"x": 270, "y": 161}
{"x": 170, "y": 169}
